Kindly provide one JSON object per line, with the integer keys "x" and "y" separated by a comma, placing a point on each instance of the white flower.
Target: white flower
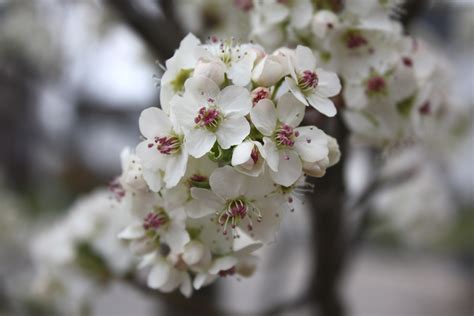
{"x": 164, "y": 223}
{"x": 246, "y": 158}
{"x": 310, "y": 85}
{"x": 211, "y": 69}
{"x": 324, "y": 21}
{"x": 132, "y": 190}
{"x": 162, "y": 150}
{"x": 268, "y": 71}
{"x": 318, "y": 168}
{"x": 382, "y": 89}
{"x": 207, "y": 114}
{"x": 178, "y": 69}
{"x": 166, "y": 274}
{"x": 285, "y": 144}
{"x": 239, "y": 201}
{"x": 236, "y": 59}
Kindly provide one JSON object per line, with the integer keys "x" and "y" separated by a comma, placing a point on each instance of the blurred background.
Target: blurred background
{"x": 74, "y": 77}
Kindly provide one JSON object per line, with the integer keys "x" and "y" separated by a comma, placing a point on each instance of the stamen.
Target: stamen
{"x": 308, "y": 80}
{"x": 155, "y": 220}
{"x": 284, "y": 136}
{"x": 208, "y": 117}
{"x": 167, "y": 145}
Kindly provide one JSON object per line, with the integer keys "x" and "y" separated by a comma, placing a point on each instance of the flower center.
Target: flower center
{"x": 178, "y": 83}
{"x": 198, "y": 181}
{"x": 155, "y": 220}
{"x": 255, "y": 155}
{"x": 376, "y": 86}
{"x": 425, "y": 109}
{"x": 208, "y": 117}
{"x": 354, "y": 40}
{"x": 235, "y": 211}
{"x": 260, "y": 94}
{"x": 117, "y": 189}
{"x": 284, "y": 136}
{"x": 307, "y": 80}
{"x": 228, "y": 272}
{"x": 167, "y": 145}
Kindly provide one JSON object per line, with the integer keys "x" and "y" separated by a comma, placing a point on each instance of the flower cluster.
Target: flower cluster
{"x": 220, "y": 161}
{"x": 79, "y": 254}
{"x": 395, "y": 87}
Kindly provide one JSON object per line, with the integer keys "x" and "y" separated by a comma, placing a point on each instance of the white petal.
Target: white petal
{"x": 206, "y": 203}
{"x": 322, "y": 104}
{"x": 183, "y": 111}
{"x": 193, "y": 252}
{"x": 234, "y": 100}
{"x": 201, "y": 89}
{"x": 175, "y": 168}
{"x": 270, "y": 153}
{"x": 186, "y": 288}
{"x": 290, "y": 110}
{"x": 240, "y": 72}
{"x": 150, "y": 158}
{"x": 133, "y": 231}
{"x": 154, "y": 179}
{"x": 264, "y": 116}
{"x": 241, "y": 153}
{"x": 222, "y": 264}
{"x": 154, "y": 122}
{"x": 199, "y": 141}
{"x": 329, "y": 84}
{"x": 311, "y": 143}
{"x": 301, "y": 14}
{"x": 295, "y": 90}
{"x": 228, "y": 183}
{"x": 289, "y": 168}
{"x": 203, "y": 279}
{"x": 355, "y": 97}
{"x": 176, "y": 237}
{"x": 159, "y": 274}
{"x": 266, "y": 230}
{"x": 304, "y": 59}
{"x": 232, "y": 131}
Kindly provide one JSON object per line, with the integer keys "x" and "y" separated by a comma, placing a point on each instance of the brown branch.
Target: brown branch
{"x": 160, "y": 32}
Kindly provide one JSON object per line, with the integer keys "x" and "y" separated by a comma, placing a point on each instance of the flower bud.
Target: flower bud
{"x": 212, "y": 70}
{"x": 323, "y": 22}
{"x": 268, "y": 71}
{"x": 318, "y": 168}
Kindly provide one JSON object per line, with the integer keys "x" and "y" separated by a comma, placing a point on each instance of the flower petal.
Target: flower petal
{"x": 304, "y": 59}
{"x": 270, "y": 153}
{"x": 199, "y": 141}
{"x": 228, "y": 183}
{"x": 222, "y": 264}
{"x": 150, "y": 158}
{"x": 234, "y": 100}
{"x": 176, "y": 168}
{"x": 206, "y": 202}
{"x": 289, "y": 168}
{"x": 264, "y": 116}
{"x": 153, "y": 178}
{"x": 133, "y": 231}
{"x": 290, "y": 110}
{"x": 154, "y": 122}
{"x": 240, "y": 72}
{"x": 201, "y": 89}
{"x": 311, "y": 143}
{"x": 322, "y": 104}
{"x": 159, "y": 274}
{"x": 241, "y": 153}
{"x": 329, "y": 84}
{"x": 176, "y": 237}
{"x": 295, "y": 90}
{"x": 232, "y": 131}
